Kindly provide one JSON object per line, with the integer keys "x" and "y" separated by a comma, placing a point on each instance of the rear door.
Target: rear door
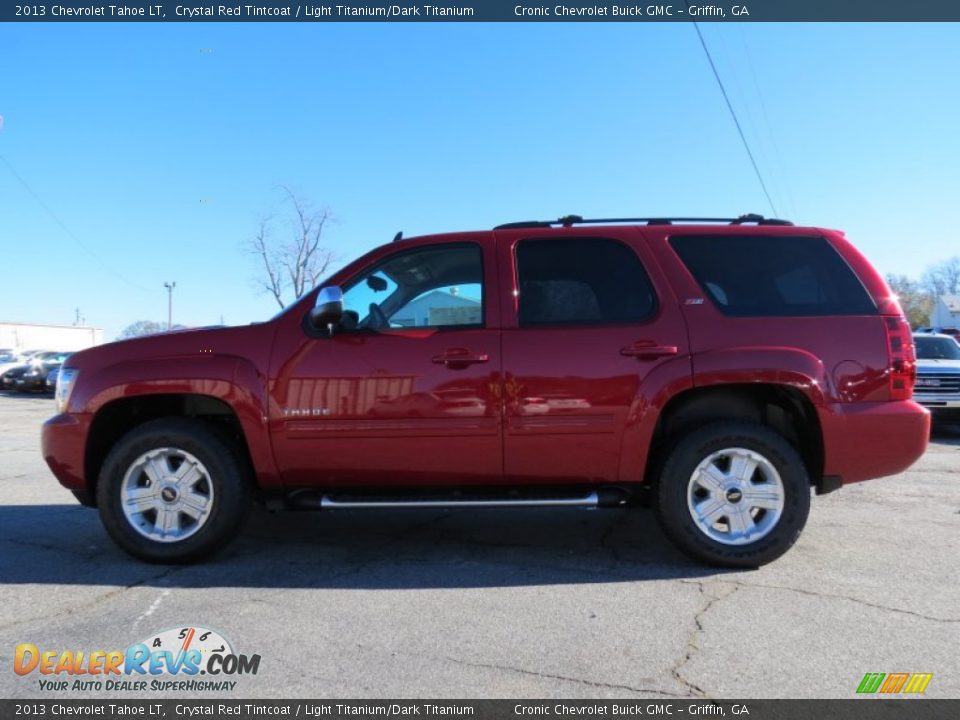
{"x": 587, "y": 319}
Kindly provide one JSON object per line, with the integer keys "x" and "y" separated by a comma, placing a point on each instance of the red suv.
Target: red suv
{"x": 721, "y": 367}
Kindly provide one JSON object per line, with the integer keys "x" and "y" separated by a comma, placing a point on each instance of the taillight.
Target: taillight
{"x": 903, "y": 360}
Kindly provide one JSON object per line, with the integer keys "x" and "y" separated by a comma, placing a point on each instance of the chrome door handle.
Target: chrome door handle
{"x": 458, "y": 358}
{"x": 648, "y": 350}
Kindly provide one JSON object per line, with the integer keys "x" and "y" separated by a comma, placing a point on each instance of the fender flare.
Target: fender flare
{"x": 232, "y": 380}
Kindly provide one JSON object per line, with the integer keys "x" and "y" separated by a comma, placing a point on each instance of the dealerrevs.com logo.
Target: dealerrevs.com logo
{"x": 170, "y": 661}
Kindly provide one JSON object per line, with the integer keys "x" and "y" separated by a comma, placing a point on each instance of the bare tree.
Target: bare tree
{"x": 916, "y": 302}
{"x": 942, "y": 278}
{"x": 145, "y": 327}
{"x": 292, "y": 268}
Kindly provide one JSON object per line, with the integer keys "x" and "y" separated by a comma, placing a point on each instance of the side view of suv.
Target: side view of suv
{"x": 722, "y": 368}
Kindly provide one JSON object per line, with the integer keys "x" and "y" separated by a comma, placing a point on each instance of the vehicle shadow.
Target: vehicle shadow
{"x": 66, "y": 545}
{"x": 27, "y": 395}
{"x": 945, "y": 433}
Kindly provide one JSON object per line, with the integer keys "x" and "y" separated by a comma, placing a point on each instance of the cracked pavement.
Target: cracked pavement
{"x": 507, "y": 603}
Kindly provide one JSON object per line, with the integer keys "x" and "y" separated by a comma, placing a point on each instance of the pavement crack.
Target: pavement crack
{"x": 42, "y": 546}
{"x": 694, "y": 639}
{"x": 95, "y": 601}
{"x": 564, "y": 678}
{"x": 848, "y": 598}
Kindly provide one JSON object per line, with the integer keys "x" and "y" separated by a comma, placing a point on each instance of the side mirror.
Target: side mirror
{"x": 328, "y": 310}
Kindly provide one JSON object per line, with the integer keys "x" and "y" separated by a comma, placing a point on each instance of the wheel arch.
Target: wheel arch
{"x": 118, "y": 417}
{"x": 784, "y": 408}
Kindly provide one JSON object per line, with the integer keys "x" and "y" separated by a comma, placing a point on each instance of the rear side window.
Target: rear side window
{"x": 752, "y": 275}
{"x": 581, "y": 281}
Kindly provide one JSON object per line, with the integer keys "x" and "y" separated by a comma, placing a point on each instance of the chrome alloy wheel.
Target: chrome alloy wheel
{"x": 166, "y": 495}
{"x": 735, "y": 496}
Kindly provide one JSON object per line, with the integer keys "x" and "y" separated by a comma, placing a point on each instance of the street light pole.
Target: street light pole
{"x": 170, "y": 286}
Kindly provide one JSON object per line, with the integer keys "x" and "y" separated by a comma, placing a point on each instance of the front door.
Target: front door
{"x": 406, "y": 391}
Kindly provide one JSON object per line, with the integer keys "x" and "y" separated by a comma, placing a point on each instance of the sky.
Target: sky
{"x": 137, "y": 154}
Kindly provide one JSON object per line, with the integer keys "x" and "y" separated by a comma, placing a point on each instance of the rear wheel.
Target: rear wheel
{"x": 172, "y": 490}
{"x": 733, "y": 494}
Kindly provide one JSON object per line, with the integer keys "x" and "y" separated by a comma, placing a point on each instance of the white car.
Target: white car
{"x": 13, "y": 358}
{"x": 938, "y": 373}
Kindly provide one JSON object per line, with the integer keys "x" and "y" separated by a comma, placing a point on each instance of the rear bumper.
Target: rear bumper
{"x": 63, "y": 442}
{"x": 863, "y": 441}
{"x": 24, "y": 384}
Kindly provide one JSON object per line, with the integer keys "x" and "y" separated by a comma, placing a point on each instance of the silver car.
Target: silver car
{"x": 938, "y": 373}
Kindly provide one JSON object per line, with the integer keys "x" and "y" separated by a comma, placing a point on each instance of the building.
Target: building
{"x": 440, "y": 307}
{"x": 946, "y": 312}
{"x": 28, "y": 336}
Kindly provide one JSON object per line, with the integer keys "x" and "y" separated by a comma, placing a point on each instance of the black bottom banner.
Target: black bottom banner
{"x": 866, "y": 709}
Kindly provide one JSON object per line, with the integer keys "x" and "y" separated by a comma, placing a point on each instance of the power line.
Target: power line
{"x": 733, "y": 114}
{"x": 65, "y": 229}
{"x": 778, "y": 156}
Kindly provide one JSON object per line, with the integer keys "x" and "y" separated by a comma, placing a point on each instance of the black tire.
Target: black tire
{"x": 676, "y": 477}
{"x": 229, "y": 487}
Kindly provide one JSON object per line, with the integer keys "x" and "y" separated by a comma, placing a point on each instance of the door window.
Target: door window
{"x": 433, "y": 286}
{"x": 581, "y": 281}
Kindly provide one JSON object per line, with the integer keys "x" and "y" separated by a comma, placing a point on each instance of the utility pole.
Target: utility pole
{"x": 170, "y": 286}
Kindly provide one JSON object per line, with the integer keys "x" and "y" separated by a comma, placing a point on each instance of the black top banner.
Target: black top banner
{"x": 487, "y": 11}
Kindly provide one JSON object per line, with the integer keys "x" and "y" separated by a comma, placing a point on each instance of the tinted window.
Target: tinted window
{"x": 590, "y": 280}
{"x": 785, "y": 275}
{"x": 934, "y": 348}
{"x": 433, "y": 286}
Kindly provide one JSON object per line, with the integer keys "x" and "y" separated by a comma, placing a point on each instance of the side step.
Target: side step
{"x": 589, "y": 501}
{"x": 309, "y": 499}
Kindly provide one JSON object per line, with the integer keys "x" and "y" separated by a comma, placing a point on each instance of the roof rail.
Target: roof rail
{"x": 570, "y": 220}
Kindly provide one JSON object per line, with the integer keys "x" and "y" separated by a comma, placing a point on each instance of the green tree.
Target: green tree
{"x": 915, "y": 299}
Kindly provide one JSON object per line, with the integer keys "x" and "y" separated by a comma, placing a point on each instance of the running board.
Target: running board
{"x": 589, "y": 501}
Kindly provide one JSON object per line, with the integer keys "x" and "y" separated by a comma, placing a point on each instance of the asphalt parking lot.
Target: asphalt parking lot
{"x": 512, "y": 603}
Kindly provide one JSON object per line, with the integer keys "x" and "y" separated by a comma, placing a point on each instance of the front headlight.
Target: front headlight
{"x": 65, "y": 382}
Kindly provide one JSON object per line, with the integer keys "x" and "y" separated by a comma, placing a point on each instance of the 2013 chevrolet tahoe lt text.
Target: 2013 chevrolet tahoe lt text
{"x": 720, "y": 368}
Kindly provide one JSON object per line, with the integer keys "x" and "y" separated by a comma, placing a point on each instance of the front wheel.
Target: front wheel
{"x": 172, "y": 490}
{"x": 733, "y": 494}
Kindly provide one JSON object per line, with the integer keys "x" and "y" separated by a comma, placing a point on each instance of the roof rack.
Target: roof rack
{"x": 570, "y": 220}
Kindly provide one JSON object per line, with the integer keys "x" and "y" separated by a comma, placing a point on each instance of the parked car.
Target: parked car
{"x": 951, "y": 331}
{"x": 725, "y": 368}
{"x": 32, "y": 375}
{"x": 35, "y": 377}
{"x": 938, "y": 374}
{"x": 10, "y": 377}
{"x": 14, "y": 359}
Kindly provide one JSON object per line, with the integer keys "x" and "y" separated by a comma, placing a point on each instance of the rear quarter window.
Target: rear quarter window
{"x": 785, "y": 275}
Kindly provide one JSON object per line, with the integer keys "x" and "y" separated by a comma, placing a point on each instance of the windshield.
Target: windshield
{"x": 936, "y": 348}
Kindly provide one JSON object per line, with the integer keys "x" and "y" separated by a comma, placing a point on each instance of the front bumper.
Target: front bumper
{"x": 938, "y": 401}
{"x": 63, "y": 443}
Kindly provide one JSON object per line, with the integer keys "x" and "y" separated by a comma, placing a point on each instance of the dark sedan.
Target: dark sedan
{"x": 33, "y": 376}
